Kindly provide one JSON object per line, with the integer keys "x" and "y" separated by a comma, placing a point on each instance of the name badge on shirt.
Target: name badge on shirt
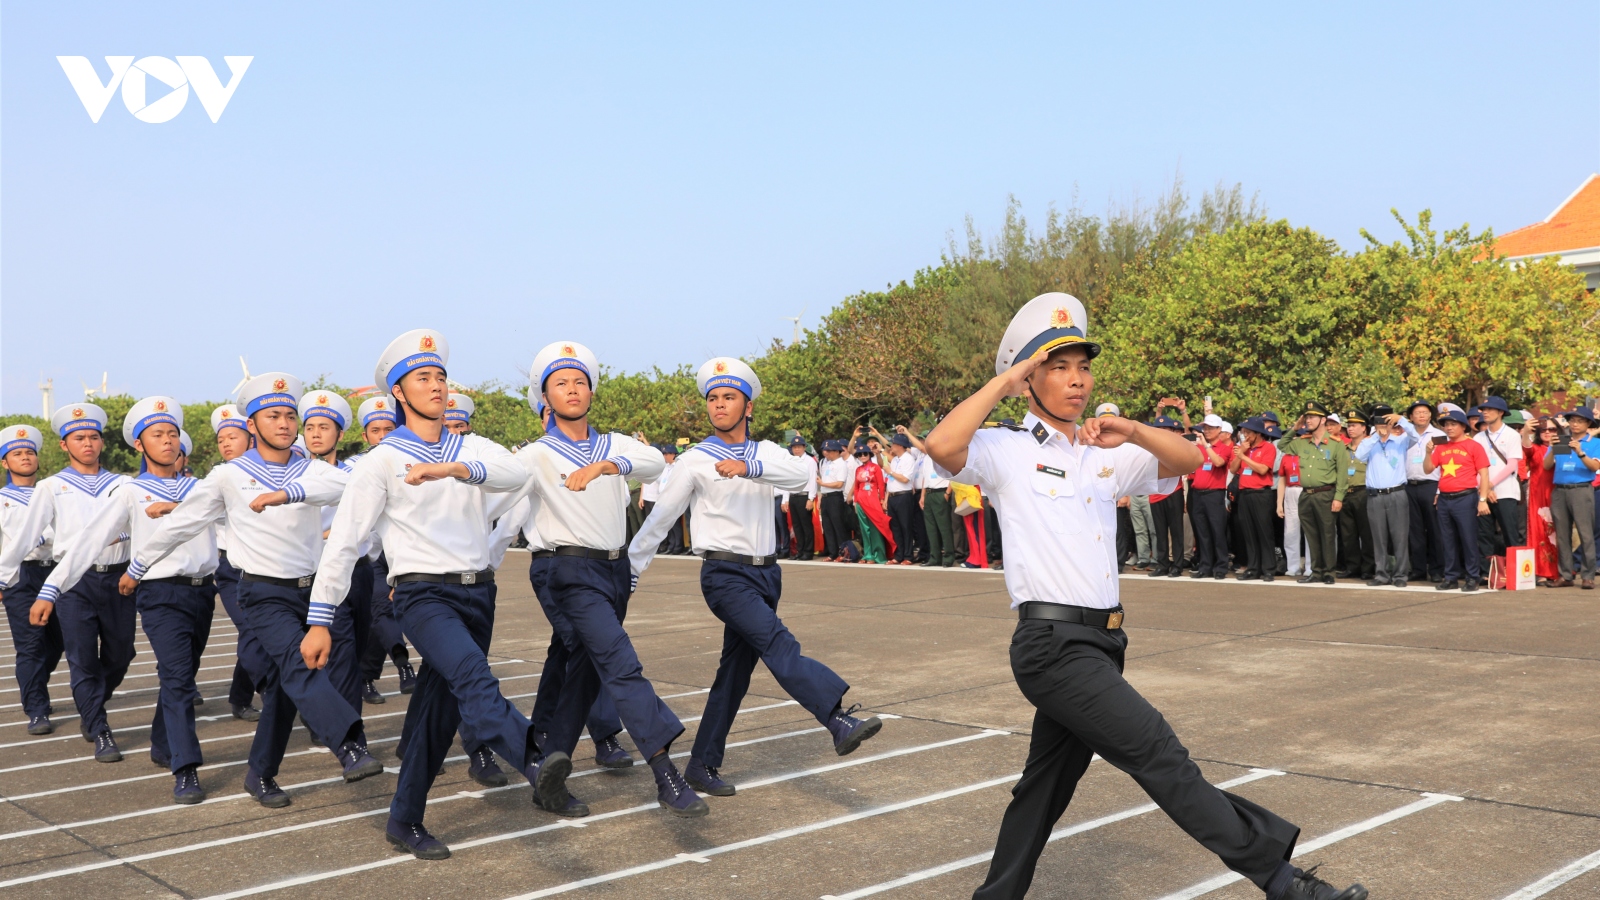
{"x": 1206, "y": 467}
{"x": 1351, "y": 471}
{"x": 1041, "y": 467}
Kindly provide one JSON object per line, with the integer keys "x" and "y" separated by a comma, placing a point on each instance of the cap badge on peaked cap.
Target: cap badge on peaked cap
{"x": 280, "y": 385}
{"x": 22, "y": 432}
{"x": 77, "y": 412}
{"x": 160, "y": 406}
{"x": 566, "y": 350}
{"x": 426, "y": 344}
{"x": 1060, "y": 317}
{"x": 224, "y": 414}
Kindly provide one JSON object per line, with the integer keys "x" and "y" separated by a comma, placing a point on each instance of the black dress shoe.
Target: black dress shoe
{"x": 1249, "y": 576}
{"x": 1376, "y": 582}
{"x": 1197, "y": 574}
{"x": 1343, "y": 573}
{"x": 1307, "y": 886}
{"x": 1305, "y": 579}
{"x": 1469, "y": 586}
{"x": 1447, "y": 586}
{"x": 1267, "y": 579}
{"x": 1399, "y": 584}
{"x": 247, "y": 713}
{"x": 1327, "y": 579}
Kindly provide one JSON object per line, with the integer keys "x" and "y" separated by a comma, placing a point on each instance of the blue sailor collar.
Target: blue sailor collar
{"x": 411, "y": 444}
{"x": 20, "y": 493}
{"x": 271, "y": 474}
{"x": 93, "y": 485}
{"x": 719, "y": 449}
{"x": 173, "y": 490}
{"x": 592, "y": 449}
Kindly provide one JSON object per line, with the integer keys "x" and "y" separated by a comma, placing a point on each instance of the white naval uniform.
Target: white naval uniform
{"x": 61, "y": 507}
{"x": 125, "y": 514}
{"x": 1061, "y": 530}
{"x": 407, "y": 517}
{"x": 14, "y": 499}
{"x": 595, "y": 517}
{"x": 731, "y": 515}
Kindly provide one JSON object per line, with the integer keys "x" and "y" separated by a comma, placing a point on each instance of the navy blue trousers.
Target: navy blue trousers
{"x": 451, "y": 625}
{"x": 384, "y": 637}
{"x": 97, "y": 629}
{"x": 177, "y": 620}
{"x": 252, "y": 664}
{"x": 593, "y": 595}
{"x": 352, "y": 621}
{"x": 745, "y": 598}
{"x": 603, "y": 721}
{"x": 1458, "y": 532}
{"x": 276, "y": 618}
{"x": 38, "y": 648}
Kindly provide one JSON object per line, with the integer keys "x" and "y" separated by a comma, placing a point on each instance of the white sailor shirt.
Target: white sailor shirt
{"x": 595, "y": 517}
{"x": 278, "y": 542}
{"x": 1057, "y": 502}
{"x": 731, "y": 515}
{"x": 13, "y": 509}
{"x": 125, "y": 514}
{"x": 63, "y": 505}
{"x": 436, "y": 528}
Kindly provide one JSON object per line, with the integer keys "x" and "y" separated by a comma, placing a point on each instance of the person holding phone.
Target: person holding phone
{"x": 1464, "y": 493}
{"x": 1574, "y": 460}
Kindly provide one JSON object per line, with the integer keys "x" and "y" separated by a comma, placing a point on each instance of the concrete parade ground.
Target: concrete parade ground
{"x": 1428, "y": 745}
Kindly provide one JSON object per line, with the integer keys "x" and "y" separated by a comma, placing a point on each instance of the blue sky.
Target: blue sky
{"x": 664, "y": 183}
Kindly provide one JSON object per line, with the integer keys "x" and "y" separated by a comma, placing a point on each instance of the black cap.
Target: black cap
{"x": 1313, "y": 408}
{"x": 1355, "y": 415}
{"x": 1379, "y": 410}
{"x": 900, "y": 440}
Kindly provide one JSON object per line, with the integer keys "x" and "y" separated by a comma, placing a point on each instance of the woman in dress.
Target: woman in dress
{"x": 1536, "y": 439}
{"x": 871, "y": 499}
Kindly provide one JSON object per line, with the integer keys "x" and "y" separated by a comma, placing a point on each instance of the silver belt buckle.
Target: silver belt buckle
{"x": 469, "y": 578}
{"x": 101, "y": 569}
{"x": 304, "y": 581}
{"x": 760, "y": 560}
{"x": 613, "y": 554}
{"x": 196, "y": 582}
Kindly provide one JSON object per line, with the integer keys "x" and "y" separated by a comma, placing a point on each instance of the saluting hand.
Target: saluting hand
{"x": 262, "y": 501}
{"x": 1015, "y": 379}
{"x": 159, "y": 509}
{"x": 315, "y": 646}
{"x": 732, "y": 468}
{"x": 420, "y": 473}
{"x": 39, "y": 615}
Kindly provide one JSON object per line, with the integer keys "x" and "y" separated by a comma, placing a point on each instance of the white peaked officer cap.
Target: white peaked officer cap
{"x": 459, "y": 408}
{"x": 20, "y": 437}
{"x": 227, "y": 416}
{"x": 409, "y": 352}
{"x": 553, "y": 358}
{"x": 267, "y": 391}
{"x": 77, "y": 417}
{"x": 150, "y": 411}
{"x": 725, "y": 371}
{"x": 327, "y": 404}
{"x": 1044, "y": 323}
{"x": 185, "y": 442}
{"x": 376, "y": 409}
{"x": 1107, "y": 409}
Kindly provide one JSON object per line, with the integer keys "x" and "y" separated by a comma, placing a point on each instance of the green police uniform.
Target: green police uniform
{"x": 1325, "y": 477}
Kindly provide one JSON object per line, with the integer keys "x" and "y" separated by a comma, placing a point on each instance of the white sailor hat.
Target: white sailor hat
{"x": 227, "y": 416}
{"x": 77, "y": 417}
{"x": 725, "y": 371}
{"x": 1107, "y": 409}
{"x": 409, "y": 352}
{"x": 376, "y": 409}
{"x": 459, "y": 408}
{"x": 1042, "y": 324}
{"x": 185, "y": 442}
{"x": 267, "y": 391}
{"x": 553, "y": 358}
{"x": 151, "y": 411}
{"x": 21, "y": 437}
{"x": 327, "y": 404}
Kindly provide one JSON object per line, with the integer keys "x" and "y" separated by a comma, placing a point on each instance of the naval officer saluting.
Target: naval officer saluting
{"x": 730, "y": 478}
{"x": 1056, "y": 481}
{"x": 424, "y": 490}
{"x": 175, "y": 599}
{"x": 276, "y": 551}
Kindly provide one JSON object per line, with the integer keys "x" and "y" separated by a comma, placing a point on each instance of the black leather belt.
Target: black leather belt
{"x": 1317, "y": 490}
{"x": 296, "y": 583}
{"x": 741, "y": 558}
{"x": 1109, "y": 619}
{"x": 1570, "y": 486}
{"x": 586, "y": 553}
{"x": 186, "y": 580}
{"x": 40, "y": 563}
{"x": 1386, "y": 490}
{"x": 484, "y": 577}
{"x": 1451, "y": 495}
{"x": 114, "y": 567}
{"x": 1421, "y": 481}
{"x": 1355, "y": 487}
{"x": 543, "y": 554}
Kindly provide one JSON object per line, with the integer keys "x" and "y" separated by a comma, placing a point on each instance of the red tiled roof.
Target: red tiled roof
{"x": 1575, "y": 225}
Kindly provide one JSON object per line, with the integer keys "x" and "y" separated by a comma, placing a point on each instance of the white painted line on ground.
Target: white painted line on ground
{"x": 138, "y": 662}
{"x": 140, "y": 643}
{"x": 1557, "y": 878}
{"x": 1428, "y": 801}
{"x": 589, "y": 822}
{"x": 1058, "y": 834}
{"x": 127, "y": 677}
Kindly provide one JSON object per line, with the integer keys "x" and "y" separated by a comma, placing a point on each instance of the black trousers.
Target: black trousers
{"x": 1168, "y": 514}
{"x": 1072, "y": 674}
{"x": 1127, "y": 544}
{"x": 805, "y": 536}
{"x": 780, "y": 526}
{"x": 1506, "y": 525}
{"x": 1427, "y": 551}
{"x": 835, "y": 530}
{"x": 1208, "y": 510}
{"x": 903, "y": 516}
{"x": 1355, "y": 535}
{"x": 1257, "y": 508}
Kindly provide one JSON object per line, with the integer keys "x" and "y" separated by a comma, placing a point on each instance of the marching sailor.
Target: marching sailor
{"x": 38, "y": 647}
{"x": 730, "y": 478}
{"x": 175, "y": 599}
{"x": 1056, "y": 479}
{"x": 423, "y": 489}
{"x": 458, "y": 412}
{"x": 97, "y": 627}
{"x": 233, "y": 439}
{"x": 579, "y": 490}
{"x": 276, "y": 552}
{"x": 377, "y": 420}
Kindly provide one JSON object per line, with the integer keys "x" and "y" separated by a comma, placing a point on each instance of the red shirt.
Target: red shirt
{"x": 1209, "y": 477}
{"x": 1290, "y": 470}
{"x": 1459, "y": 463}
{"x": 1261, "y": 453}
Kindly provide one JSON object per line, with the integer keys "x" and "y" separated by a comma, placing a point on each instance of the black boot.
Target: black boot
{"x": 1307, "y": 886}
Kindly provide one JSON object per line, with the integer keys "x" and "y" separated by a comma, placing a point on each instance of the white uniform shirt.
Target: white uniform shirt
{"x": 14, "y": 500}
{"x": 62, "y": 505}
{"x": 905, "y": 464}
{"x": 1502, "y": 475}
{"x": 125, "y": 514}
{"x": 731, "y": 515}
{"x": 595, "y": 517}
{"x": 1061, "y": 529}
{"x": 811, "y": 475}
{"x": 836, "y": 470}
{"x": 928, "y": 475}
{"x": 278, "y": 542}
{"x": 437, "y": 528}
{"x": 1418, "y": 453}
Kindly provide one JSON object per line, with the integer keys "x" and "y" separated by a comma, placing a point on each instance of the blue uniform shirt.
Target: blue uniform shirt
{"x": 1570, "y": 468}
{"x": 1385, "y": 459}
